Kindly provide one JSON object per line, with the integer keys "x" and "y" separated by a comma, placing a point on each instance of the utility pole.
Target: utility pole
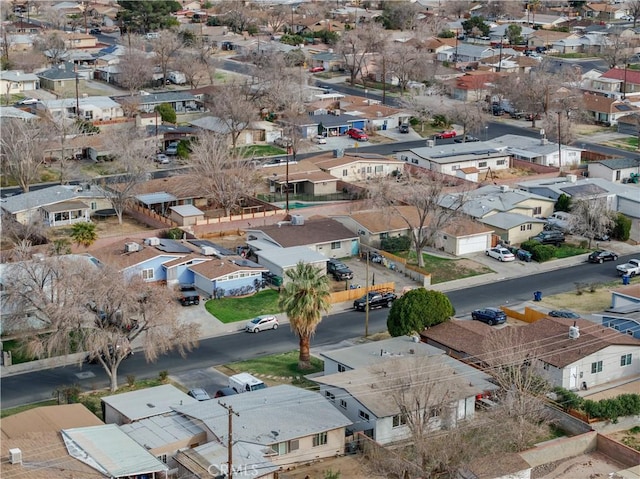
{"x": 231, "y": 412}
{"x": 366, "y": 308}
{"x": 559, "y": 144}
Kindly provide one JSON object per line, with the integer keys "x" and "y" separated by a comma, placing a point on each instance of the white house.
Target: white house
{"x": 279, "y": 260}
{"x": 358, "y": 166}
{"x": 538, "y": 150}
{"x": 15, "y": 81}
{"x": 91, "y": 108}
{"x": 616, "y": 170}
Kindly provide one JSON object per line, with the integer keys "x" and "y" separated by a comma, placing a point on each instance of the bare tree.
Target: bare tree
{"x": 22, "y": 145}
{"x": 277, "y": 17}
{"x": 56, "y": 17}
{"x": 277, "y": 86}
{"x": 135, "y": 69}
{"x": 416, "y": 200}
{"x": 53, "y": 45}
{"x": 134, "y": 155}
{"x": 633, "y": 7}
{"x": 592, "y": 218}
{"x": 165, "y": 48}
{"x": 423, "y": 107}
{"x": 222, "y": 176}
{"x": 62, "y": 130}
{"x": 355, "y": 45}
{"x": 458, "y": 8}
{"x": 615, "y": 49}
{"x": 197, "y": 67}
{"x": 406, "y": 62}
{"x": 470, "y": 116}
{"x": 233, "y": 109}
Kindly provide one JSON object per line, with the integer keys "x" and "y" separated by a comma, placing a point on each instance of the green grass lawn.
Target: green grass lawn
{"x": 18, "y": 354}
{"x": 282, "y": 365}
{"x": 260, "y": 150}
{"x": 229, "y": 310}
{"x": 567, "y": 250}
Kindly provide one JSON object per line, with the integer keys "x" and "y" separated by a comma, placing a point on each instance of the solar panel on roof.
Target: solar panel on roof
{"x": 623, "y": 107}
{"x": 172, "y": 246}
{"x": 222, "y": 251}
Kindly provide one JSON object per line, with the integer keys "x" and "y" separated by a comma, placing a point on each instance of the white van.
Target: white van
{"x": 245, "y": 382}
{"x": 152, "y": 35}
{"x": 562, "y": 221}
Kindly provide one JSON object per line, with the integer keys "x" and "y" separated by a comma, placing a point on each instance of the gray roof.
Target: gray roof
{"x": 490, "y": 198}
{"x": 48, "y": 196}
{"x": 161, "y": 430}
{"x": 148, "y": 402}
{"x": 507, "y": 221}
{"x": 554, "y": 187}
{"x": 332, "y": 120}
{"x": 13, "y": 112}
{"x": 57, "y": 74}
{"x": 289, "y": 257}
{"x": 245, "y": 455}
{"x": 457, "y": 152}
{"x": 326, "y": 57}
{"x": 528, "y": 147}
{"x": 187, "y": 210}
{"x": 17, "y": 76}
{"x": 110, "y": 451}
{"x": 364, "y": 355}
{"x": 95, "y": 101}
{"x": 368, "y": 387}
{"x": 212, "y": 123}
{"x": 156, "y": 198}
{"x": 468, "y": 50}
{"x": 154, "y": 98}
{"x": 620, "y": 163}
{"x": 288, "y": 411}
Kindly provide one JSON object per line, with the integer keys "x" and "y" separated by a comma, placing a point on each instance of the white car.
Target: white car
{"x": 162, "y": 159}
{"x": 261, "y": 323}
{"x": 320, "y": 140}
{"x": 501, "y": 254}
{"x": 28, "y": 101}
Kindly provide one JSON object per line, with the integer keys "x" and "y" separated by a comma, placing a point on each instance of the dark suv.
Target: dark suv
{"x": 188, "y": 296}
{"x": 339, "y": 270}
{"x": 553, "y": 237}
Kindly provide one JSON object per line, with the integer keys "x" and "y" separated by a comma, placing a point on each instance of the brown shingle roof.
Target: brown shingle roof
{"x": 325, "y": 162}
{"x": 459, "y": 335}
{"x": 47, "y": 419}
{"x": 313, "y": 231}
{"x": 114, "y": 254}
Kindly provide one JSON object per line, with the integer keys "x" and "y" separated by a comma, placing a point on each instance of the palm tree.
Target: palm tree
{"x": 304, "y": 298}
{"x": 84, "y": 233}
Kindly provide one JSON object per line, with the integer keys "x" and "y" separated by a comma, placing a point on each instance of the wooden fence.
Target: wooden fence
{"x": 530, "y": 315}
{"x": 245, "y": 215}
{"x": 351, "y": 294}
{"x": 150, "y": 217}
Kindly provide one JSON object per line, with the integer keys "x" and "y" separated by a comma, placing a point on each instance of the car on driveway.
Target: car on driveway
{"x": 262, "y": 323}
{"x": 162, "y": 159}
{"x": 446, "y": 134}
{"x": 600, "y": 256}
{"x": 199, "y": 394}
{"x": 357, "y": 134}
{"x": 501, "y": 254}
{"x": 28, "y": 101}
{"x": 316, "y": 69}
{"x": 320, "y": 140}
{"x": 490, "y": 316}
{"x": 404, "y": 128}
{"x": 559, "y": 313}
{"x": 466, "y": 139}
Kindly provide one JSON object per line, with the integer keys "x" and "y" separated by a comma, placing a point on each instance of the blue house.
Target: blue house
{"x": 227, "y": 276}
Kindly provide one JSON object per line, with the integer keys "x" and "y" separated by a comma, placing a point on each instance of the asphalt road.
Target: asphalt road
{"x": 38, "y": 385}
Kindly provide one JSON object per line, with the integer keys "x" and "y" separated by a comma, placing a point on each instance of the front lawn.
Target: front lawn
{"x": 260, "y": 150}
{"x": 283, "y": 365}
{"x": 230, "y": 310}
{"x": 567, "y": 250}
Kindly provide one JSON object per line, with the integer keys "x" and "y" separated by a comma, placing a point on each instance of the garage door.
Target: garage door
{"x": 473, "y": 244}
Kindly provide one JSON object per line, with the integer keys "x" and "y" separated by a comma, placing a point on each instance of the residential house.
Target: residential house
{"x": 302, "y": 177}
{"x": 108, "y": 450}
{"x": 56, "y": 205}
{"x": 323, "y": 235}
{"x": 604, "y": 11}
{"x": 334, "y": 124}
{"x": 31, "y": 440}
{"x": 14, "y": 82}
{"x": 541, "y": 20}
{"x": 83, "y": 41}
{"x": 136, "y": 405}
{"x": 510, "y": 63}
{"x": 180, "y": 101}
{"x": 624, "y": 313}
{"x": 290, "y": 424}
{"x": 568, "y": 45}
{"x": 378, "y": 116}
{"x": 619, "y": 197}
{"x": 538, "y": 150}
{"x": 629, "y": 125}
{"x": 605, "y": 110}
{"x": 227, "y": 276}
{"x": 436, "y": 45}
{"x": 629, "y": 80}
{"x": 23, "y": 27}
{"x": 468, "y": 53}
{"x": 248, "y": 136}
{"x": 513, "y": 215}
{"x": 545, "y": 38}
{"x": 353, "y": 167}
{"x": 62, "y": 80}
{"x": 473, "y": 86}
{"x": 90, "y": 108}
{"x": 448, "y": 159}
{"x": 379, "y": 399}
{"x": 7, "y": 112}
{"x": 280, "y": 260}
{"x": 615, "y": 170}
{"x": 458, "y": 237}
{"x": 575, "y": 354}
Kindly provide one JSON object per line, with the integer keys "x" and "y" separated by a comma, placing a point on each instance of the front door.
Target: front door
{"x": 573, "y": 378}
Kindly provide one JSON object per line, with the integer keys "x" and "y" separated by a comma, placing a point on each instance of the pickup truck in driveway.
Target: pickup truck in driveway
{"x": 631, "y": 268}
{"x": 377, "y": 299}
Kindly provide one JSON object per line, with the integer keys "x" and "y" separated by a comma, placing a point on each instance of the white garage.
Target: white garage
{"x": 464, "y": 236}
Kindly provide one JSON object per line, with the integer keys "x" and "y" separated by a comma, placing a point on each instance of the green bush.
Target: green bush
{"x": 174, "y": 233}
{"x": 612, "y": 409}
{"x": 568, "y": 399}
{"x": 167, "y": 113}
{"x": 622, "y": 228}
{"x": 396, "y": 244}
{"x": 543, "y": 252}
{"x": 418, "y": 309}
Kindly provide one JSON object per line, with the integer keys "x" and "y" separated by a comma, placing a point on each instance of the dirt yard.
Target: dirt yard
{"x": 587, "y": 466}
{"x": 349, "y": 467}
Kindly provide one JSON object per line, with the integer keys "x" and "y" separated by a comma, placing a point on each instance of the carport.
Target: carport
{"x": 157, "y": 202}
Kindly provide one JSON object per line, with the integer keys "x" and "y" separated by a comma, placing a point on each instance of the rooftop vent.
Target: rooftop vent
{"x": 504, "y": 188}
{"x": 15, "y": 456}
{"x": 131, "y": 247}
{"x": 207, "y": 250}
{"x": 574, "y": 331}
{"x": 152, "y": 241}
{"x": 297, "y": 220}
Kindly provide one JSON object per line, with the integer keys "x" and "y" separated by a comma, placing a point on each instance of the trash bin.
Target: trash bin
{"x": 626, "y": 279}
{"x": 537, "y": 295}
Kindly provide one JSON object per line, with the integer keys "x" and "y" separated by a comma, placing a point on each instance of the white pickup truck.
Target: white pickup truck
{"x": 631, "y": 268}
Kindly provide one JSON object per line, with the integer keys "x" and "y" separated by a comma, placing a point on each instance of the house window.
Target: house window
{"x": 163, "y": 458}
{"x": 345, "y": 172}
{"x": 147, "y": 274}
{"x": 501, "y": 162}
{"x": 330, "y": 396}
{"x": 363, "y": 415}
{"x": 335, "y": 245}
{"x": 320, "y": 439}
{"x": 368, "y": 169}
{"x": 455, "y": 167}
{"x": 596, "y": 367}
{"x": 435, "y": 412}
{"x": 525, "y": 227}
{"x": 282, "y": 448}
{"x": 625, "y": 360}
{"x": 482, "y": 164}
{"x": 384, "y": 236}
{"x": 341, "y": 368}
{"x": 399, "y": 420}
{"x": 537, "y": 210}
{"x": 94, "y": 205}
{"x": 343, "y": 404}
{"x": 379, "y": 169}
{"x": 618, "y": 175}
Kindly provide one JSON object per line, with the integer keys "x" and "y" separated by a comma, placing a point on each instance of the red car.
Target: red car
{"x": 446, "y": 134}
{"x": 357, "y": 134}
{"x": 316, "y": 69}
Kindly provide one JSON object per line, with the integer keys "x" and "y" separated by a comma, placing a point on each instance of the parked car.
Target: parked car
{"x": 316, "y": 69}
{"x": 466, "y": 139}
{"x": 501, "y": 254}
{"x": 600, "y": 256}
{"x": 172, "y": 149}
{"x": 189, "y": 296}
{"x": 283, "y": 142}
{"x": 553, "y": 237}
{"x": 404, "y": 128}
{"x": 563, "y": 314}
{"x": 199, "y": 394}
{"x": 339, "y": 270}
{"x": 490, "y": 316}
{"x": 28, "y": 101}
{"x": 357, "y": 134}
{"x": 95, "y": 31}
{"x": 446, "y": 134}
{"x": 162, "y": 159}
{"x": 220, "y": 393}
{"x": 375, "y": 299}
{"x": 262, "y": 323}
{"x": 320, "y": 140}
